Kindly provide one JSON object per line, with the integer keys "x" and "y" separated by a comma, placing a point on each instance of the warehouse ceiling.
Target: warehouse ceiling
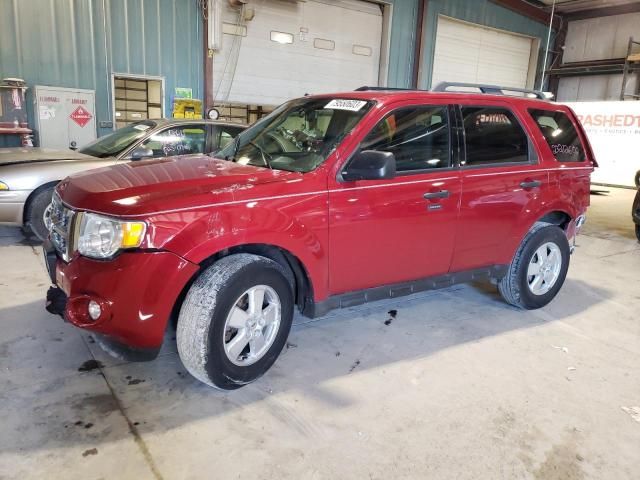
{"x": 571, "y": 6}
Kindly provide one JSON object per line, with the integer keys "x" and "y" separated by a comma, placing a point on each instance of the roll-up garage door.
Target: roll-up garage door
{"x": 467, "y": 52}
{"x": 292, "y": 48}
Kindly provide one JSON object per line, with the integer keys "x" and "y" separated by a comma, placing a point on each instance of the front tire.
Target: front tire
{"x": 38, "y": 211}
{"x": 538, "y": 269}
{"x": 235, "y": 320}
{"x": 638, "y": 232}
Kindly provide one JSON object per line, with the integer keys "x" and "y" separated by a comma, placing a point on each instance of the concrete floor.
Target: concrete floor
{"x": 459, "y": 385}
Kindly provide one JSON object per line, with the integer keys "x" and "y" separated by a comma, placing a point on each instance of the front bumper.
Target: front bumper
{"x": 12, "y": 206}
{"x": 136, "y": 291}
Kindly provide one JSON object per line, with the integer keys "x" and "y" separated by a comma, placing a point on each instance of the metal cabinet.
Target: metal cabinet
{"x": 65, "y": 117}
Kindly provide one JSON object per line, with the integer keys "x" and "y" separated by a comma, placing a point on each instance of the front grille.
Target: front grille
{"x": 61, "y": 227}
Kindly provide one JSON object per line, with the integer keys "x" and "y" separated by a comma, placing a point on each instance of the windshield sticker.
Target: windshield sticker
{"x": 142, "y": 128}
{"x": 351, "y": 105}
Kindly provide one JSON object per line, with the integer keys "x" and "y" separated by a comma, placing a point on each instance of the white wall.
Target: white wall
{"x": 597, "y": 39}
{"x": 336, "y": 47}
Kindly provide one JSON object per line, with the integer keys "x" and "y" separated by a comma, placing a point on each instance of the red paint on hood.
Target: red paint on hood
{"x": 151, "y": 186}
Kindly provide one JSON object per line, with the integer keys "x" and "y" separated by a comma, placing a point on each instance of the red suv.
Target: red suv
{"x": 330, "y": 201}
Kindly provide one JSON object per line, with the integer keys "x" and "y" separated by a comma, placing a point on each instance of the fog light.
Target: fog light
{"x": 94, "y": 310}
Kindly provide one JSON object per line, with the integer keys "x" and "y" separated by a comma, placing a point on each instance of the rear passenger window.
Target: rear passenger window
{"x": 493, "y": 136}
{"x": 560, "y": 134}
{"x": 417, "y": 136}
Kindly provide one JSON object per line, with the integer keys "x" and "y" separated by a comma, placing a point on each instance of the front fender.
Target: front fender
{"x": 297, "y": 225}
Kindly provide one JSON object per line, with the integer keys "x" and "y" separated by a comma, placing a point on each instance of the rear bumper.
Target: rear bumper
{"x": 12, "y": 206}
{"x": 136, "y": 291}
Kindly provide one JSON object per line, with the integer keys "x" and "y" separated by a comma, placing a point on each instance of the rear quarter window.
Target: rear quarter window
{"x": 560, "y": 134}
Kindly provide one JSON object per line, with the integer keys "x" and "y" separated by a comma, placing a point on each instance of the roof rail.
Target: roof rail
{"x": 493, "y": 89}
{"x": 366, "y": 88}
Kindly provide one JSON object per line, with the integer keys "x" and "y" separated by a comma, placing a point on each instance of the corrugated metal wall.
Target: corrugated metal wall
{"x": 482, "y": 12}
{"x": 598, "y": 39}
{"x": 81, "y": 43}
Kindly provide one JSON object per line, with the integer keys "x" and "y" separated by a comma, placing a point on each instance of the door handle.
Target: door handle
{"x": 434, "y": 195}
{"x": 530, "y": 184}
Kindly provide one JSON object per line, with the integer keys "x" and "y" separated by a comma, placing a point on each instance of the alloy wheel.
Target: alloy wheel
{"x": 252, "y": 325}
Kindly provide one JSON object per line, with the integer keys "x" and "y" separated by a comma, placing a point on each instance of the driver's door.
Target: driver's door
{"x": 391, "y": 231}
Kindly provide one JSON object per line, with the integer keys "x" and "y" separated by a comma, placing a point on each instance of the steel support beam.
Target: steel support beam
{"x": 417, "y": 52}
{"x": 603, "y": 12}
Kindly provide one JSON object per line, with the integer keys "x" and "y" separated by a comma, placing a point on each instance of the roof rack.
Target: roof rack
{"x": 366, "y": 88}
{"x": 493, "y": 89}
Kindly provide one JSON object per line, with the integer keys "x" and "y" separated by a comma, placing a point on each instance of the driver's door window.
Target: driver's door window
{"x": 180, "y": 140}
{"x": 417, "y": 136}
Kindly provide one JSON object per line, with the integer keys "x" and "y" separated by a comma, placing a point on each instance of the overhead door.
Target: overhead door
{"x": 467, "y": 52}
{"x": 292, "y": 48}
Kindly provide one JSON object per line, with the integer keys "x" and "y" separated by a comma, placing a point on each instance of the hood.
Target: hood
{"x": 13, "y": 156}
{"x": 153, "y": 186}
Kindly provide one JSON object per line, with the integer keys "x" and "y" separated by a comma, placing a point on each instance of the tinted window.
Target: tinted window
{"x": 182, "y": 140}
{"x": 225, "y": 134}
{"x": 114, "y": 143}
{"x": 560, "y": 134}
{"x": 417, "y": 136}
{"x": 493, "y": 136}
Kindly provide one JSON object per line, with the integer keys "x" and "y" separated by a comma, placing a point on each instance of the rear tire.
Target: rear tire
{"x": 36, "y": 211}
{"x": 235, "y": 320}
{"x": 538, "y": 269}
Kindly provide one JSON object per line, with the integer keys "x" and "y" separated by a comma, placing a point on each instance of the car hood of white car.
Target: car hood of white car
{"x": 12, "y": 156}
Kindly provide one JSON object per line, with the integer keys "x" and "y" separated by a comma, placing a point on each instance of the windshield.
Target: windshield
{"x": 114, "y": 143}
{"x": 298, "y": 136}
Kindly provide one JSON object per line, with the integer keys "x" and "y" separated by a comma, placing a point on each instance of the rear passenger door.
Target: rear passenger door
{"x": 501, "y": 182}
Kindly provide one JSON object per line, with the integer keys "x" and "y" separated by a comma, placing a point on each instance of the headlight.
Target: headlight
{"x": 103, "y": 237}
{"x": 4, "y": 186}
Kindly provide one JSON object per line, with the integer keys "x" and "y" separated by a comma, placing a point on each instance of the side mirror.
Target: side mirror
{"x": 370, "y": 165}
{"x": 140, "y": 153}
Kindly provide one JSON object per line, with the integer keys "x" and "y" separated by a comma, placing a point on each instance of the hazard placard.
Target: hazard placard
{"x": 81, "y": 116}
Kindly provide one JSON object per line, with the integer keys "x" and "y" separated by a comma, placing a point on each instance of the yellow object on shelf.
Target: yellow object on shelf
{"x": 187, "y": 108}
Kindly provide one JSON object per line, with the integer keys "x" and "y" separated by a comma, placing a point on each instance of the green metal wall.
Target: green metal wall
{"x": 403, "y": 40}
{"x": 482, "y": 12}
{"x": 80, "y": 43}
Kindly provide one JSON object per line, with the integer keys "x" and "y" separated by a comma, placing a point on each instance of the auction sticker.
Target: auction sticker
{"x": 341, "y": 104}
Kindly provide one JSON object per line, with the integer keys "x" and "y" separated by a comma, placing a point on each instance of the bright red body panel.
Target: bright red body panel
{"x": 138, "y": 299}
{"x": 347, "y": 235}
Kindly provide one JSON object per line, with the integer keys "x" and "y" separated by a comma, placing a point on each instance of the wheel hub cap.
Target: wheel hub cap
{"x": 544, "y": 268}
{"x": 252, "y": 325}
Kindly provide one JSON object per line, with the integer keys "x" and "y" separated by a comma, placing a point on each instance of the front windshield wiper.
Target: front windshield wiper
{"x": 265, "y": 155}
